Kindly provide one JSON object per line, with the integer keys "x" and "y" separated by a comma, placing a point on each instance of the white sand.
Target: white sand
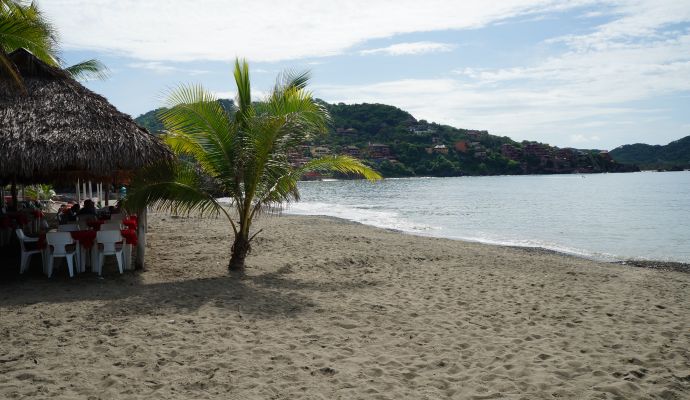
{"x": 334, "y": 310}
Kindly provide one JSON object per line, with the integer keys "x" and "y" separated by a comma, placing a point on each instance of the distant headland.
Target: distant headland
{"x": 398, "y": 145}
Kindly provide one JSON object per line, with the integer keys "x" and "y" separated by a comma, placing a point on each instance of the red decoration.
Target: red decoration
{"x": 130, "y": 236}
{"x": 130, "y": 223}
{"x": 85, "y": 238}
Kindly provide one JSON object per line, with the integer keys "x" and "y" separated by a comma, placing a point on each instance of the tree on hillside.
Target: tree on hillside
{"x": 23, "y": 25}
{"x": 243, "y": 151}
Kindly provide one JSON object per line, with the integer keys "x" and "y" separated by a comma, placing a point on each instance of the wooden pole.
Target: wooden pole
{"x": 13, "y": 189}
{"x": 141, "y": 240}
{"x": 107, "y": 194}
{"x": 76, "y": 192}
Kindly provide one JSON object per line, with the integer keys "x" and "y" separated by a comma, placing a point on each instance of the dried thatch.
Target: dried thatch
{"x": 61, "y": 131}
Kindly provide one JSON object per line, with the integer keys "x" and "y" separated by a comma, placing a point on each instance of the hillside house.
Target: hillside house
{"x": 476, "y": 134}
{"x": 422, "y": 130}
{"x": 461, "y": 146}
{"x": 510, "y": 152}
{"x": 379, "y": 151}
{"x": 441, "y": 149}
{"x": 438, "y": 149}
{"x": 346, "y": 131}
{"x": 319, "y": 151}
{"x": 352, "y": 151}
{"x": 536, "y": 150}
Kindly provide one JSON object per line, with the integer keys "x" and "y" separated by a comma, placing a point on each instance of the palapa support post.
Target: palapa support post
{"x": 107, "y": 193}
{"x": 76, "y": 192}
{"x": 141, "y": 239}
{"x": 13, "y": 190}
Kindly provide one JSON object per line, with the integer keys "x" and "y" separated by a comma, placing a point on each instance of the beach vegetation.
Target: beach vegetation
{"x": 23, "y": 25}
{"x": 239, "y": 152}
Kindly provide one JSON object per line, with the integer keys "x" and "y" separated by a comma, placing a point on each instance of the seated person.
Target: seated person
{"x": 63, "y": 214}
{"x": 88, "y": 209}
{"x": 73, "y": 211}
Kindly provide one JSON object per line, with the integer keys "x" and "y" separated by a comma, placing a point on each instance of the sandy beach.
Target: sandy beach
{"x": 329, "y": 309}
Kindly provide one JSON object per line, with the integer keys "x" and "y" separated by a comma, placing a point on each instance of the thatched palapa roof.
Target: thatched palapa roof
{"x": 61, "y": 130}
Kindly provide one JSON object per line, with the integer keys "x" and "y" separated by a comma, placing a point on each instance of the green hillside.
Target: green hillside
{"x": 675, "y": 155}
{"x": 398, "y": 145}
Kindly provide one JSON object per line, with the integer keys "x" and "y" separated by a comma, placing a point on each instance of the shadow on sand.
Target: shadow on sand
{"x": 260, "y": 296}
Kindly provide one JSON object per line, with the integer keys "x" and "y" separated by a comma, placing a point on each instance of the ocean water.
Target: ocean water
{"x": 608, "y": 217}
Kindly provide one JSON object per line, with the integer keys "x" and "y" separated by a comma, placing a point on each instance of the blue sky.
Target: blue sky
{"x": 582, "y": 73}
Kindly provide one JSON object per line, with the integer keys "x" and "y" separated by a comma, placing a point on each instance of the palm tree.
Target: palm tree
{"x": 24, "y": 26}
{"x": 241, "y": 153}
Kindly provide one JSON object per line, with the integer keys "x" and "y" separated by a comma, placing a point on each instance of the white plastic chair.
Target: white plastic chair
{"x": 111, "y": 226}
{"x": 26, "y": 254}
{"x": 117, "y": 217}
{"x": 68, "y": 228}
{"x": 110, "y": 243}
{"x": 61, "y": 244}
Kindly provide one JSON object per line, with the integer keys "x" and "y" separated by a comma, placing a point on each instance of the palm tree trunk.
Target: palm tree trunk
{"x": 241, "y": 246}
{"x": 240, "y": 249}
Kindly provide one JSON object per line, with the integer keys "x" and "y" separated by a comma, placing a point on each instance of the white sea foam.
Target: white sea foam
{"x": 391, "y": 220}
{"x": 362, "y": 214}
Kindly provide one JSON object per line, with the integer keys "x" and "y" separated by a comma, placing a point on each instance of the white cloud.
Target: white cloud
{"x": 163, "y": 30}
{"x": 580, "y": 139}
{"x": 161, "y": 68}
{"x": 411, "y": 48}
{"x": 589, "y": 93}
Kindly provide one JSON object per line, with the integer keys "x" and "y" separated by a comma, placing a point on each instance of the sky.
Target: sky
{"x": 581, "y": 73}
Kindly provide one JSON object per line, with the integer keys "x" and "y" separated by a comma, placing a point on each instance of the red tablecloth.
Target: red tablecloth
{"x": 130, "y": 223}
{"x": 130, "y": 236}
{"x": 95, "y": 224}
{"x": 85, "y": 238}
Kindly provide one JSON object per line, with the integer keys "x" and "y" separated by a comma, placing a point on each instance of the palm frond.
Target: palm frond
{"x": 89, "y": 69}
{"x": 291, "y": 79}
{"x": 244, "y": 90}
{"x": 174, "y": 187}
{"x": 199, "y": 126}
{"x": 24, "y": 26}
{"x": 342, "y": 164}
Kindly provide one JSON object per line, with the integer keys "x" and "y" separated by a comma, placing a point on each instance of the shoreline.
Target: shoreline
{"x": 662, "y": 265}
